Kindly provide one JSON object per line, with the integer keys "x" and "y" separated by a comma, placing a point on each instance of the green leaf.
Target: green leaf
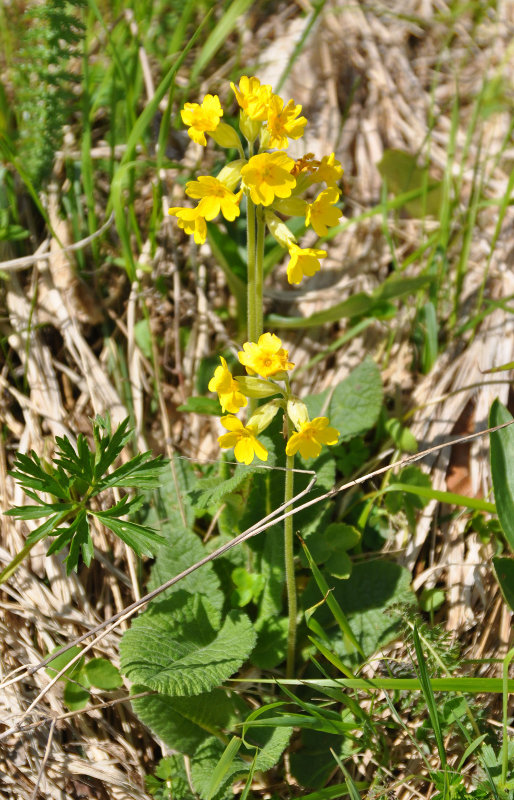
{"x": 428, "y": 694}
{"x": 270, "y": 747}
{"x": 401, "y": 436}
{"x": 207, "y": 757}
{"x": 502, "y": 469}
{"x": 108, "y": 447}
{"x": 504, "y": 570}
{"x": 102, "y": 674}
{"x": 143, "y": 540}
{"x": 56, "y": 665}
{"x": 368, "y": 598}
{"x": 431, "y": 599}
{"x": 142, "y": 472}
{"x": 176, "y": 648}
{"x": 213, "y": 490}
{"x": 360, "y": 304}
{"x": 76, "y": 694}
{"x": 230, "y": 18}
{"x": 183, "y": 548}
{"x": 402, "y": 174}
{"x": 46, "y": 528}
{"x": 339, "y": 565}
{"x": 28, "y": 471}
{"x": 354, "y": 404}
{"x": 224, "y": 766}
{"x": 36, "y": 512}
{"x": 271, "y": 646}
{"x": 248, "y": 586}
{"x": 334, "y": 606}
{"x": 201, "y": 405}
{"x": 183, "y": 723}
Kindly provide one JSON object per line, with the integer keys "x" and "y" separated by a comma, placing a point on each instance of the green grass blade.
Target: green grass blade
{"x": 428, "y": 694}
{"x": 332, "y": 603}
{"x": 223, "y": 766}
{"x": 230, "y": 19}
{"x": 444, "y": 497}
{"x": 502, "y": 468}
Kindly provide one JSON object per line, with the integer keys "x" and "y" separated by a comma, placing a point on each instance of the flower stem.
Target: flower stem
{"x": 259, "y": 259}
{"x": 252, "y": 306}
{"x": 289, "y": 564}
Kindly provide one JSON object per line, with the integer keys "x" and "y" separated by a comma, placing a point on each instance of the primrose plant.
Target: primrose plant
{"x": 274, "y": 186}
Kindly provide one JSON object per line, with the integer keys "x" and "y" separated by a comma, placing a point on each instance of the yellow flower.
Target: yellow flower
{"x": 214, "y": 197}
{"x": 329, "y": 170}
{"x": 191, "y": 222}
{"x": 253, "y": 98}
{"x": 243, "y": 440}
{"x": 310, "y": 437}
{"x": 267, "y": 176}
{"x": 202, "y": 118}
{"x": 282, "y": 122}
{"x": 265, "y": 358}
{"x": 322, "y": 214}
{"x": 223, "y": 383}
{"x": 304, "y": 262}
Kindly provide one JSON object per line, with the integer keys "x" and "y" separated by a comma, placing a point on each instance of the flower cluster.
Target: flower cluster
{"x": 265, "y": 360}
{"x": 272, "y": 180}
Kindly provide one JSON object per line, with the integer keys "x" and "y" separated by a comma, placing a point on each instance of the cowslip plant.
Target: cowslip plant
{"x": 75, "y": 478}
{"x": 274, "y": 186}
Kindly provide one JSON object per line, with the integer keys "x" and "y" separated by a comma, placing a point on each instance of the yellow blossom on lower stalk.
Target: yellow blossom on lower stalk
{"x": 322, "y": 214}
{"x": 191, "y": 222}
{"x": 268, "y": 175}
{"x": 310, "y": 436}
{"x": 229, "y": 394}
{"x": 303, "y": 262}
{"x": 214, "y": 197}
{"x": 242, "y": 439}
{"x": 265, "y": 358}
{"x": 329, "y": 170}
{"x": 202, "y": 117}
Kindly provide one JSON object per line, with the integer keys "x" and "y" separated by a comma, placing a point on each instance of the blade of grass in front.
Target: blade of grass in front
{"x": 352, "y": 789}
{"x": 222, "y": 767}
{"x": 428, "y": 694}
{"x": 505, "y": 713}
{"x": 219, "y": 35}
{"x": 332, "y": 603}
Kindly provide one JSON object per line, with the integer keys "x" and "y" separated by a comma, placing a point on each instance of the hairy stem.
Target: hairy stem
{"x": 259, "y": 259}
{"x": 289, "y": 564}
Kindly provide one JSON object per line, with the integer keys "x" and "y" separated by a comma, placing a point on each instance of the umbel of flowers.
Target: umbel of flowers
{"x": 267, "y": 365}
{"x": 275, "y": 183}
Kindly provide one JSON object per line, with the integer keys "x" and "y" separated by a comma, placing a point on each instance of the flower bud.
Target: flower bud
{"x": 226, "y": 136}
{"x": 264, "y": 415}
{"x": 256, "y": 387}
{"x": 297, "y": 412}
{"x": 279, "y": 229}
{"x": 250, "y": 128}
{"x": 230, "y": 175}
{"x": 292, "y": 206}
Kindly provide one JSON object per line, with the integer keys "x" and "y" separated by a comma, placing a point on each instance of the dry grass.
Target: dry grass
{"x": 371, "y": 77}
